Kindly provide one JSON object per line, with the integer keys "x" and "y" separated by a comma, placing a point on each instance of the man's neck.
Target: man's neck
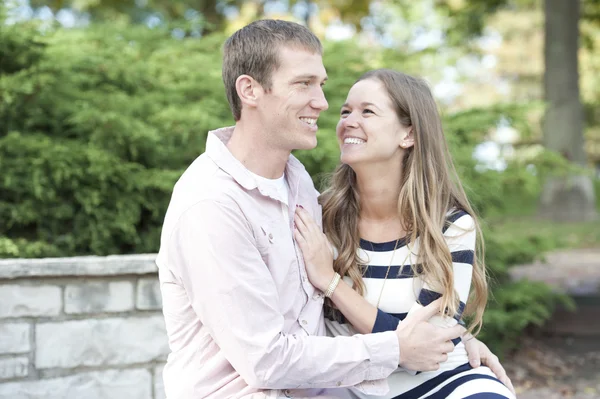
{"x": 249, "y": 147}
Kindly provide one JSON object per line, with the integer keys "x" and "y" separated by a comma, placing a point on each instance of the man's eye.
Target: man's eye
{"x": 344, "y": 112}
{"x": 368, "y": 111}
{"x": 304, "y": 83}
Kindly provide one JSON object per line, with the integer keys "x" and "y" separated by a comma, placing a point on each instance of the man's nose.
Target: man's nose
{"x": 319, "y": 101}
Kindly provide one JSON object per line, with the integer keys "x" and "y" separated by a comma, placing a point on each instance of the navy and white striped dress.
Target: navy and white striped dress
{"x": 403, "y": 292}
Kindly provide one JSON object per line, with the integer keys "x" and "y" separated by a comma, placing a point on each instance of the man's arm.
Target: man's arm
{"x": 214, "y": 252}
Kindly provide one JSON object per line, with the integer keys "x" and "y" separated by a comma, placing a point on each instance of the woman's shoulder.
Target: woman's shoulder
{"x": 459, "y": 218}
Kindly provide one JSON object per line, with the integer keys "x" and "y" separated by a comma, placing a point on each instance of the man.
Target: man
{"x": 242, "y": 318}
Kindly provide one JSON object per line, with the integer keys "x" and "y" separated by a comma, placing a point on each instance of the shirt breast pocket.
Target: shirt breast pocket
{"x": 266, "y": 238}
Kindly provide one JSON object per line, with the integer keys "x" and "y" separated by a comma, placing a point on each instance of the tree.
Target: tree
{"x": 567, "y": 197}
{"x": 570, "y": 196}
{"x": 208, "y": 15}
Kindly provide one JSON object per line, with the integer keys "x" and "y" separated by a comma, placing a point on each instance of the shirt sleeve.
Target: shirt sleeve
{"x": 231, "y": 290}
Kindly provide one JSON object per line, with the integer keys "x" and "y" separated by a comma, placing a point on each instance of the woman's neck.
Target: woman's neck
{"x": 379, "y": 189}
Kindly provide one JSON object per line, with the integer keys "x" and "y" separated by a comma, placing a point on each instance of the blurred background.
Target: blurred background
{"x": 103, "y": 104}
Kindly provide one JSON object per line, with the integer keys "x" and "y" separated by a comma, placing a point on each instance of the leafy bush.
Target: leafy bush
{"x": 97, "y": 125}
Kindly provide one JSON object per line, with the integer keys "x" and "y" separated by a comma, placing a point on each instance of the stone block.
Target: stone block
{"x": 99, "y": 342}
{"x": 14, "y": 338}
{"x": 98, "y": 297}
{"x": 148, "y": 294}
{"x": 24, "y": 300}
{"x": 159, "y": 386}
{"x": 14, "y": 367}
{"x": 111, "y": 384}
{"x": 113, "y": 265}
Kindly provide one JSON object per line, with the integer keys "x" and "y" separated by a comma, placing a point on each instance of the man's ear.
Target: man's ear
{"x": 409, "y": 138}
{"x": 248, "y": 90}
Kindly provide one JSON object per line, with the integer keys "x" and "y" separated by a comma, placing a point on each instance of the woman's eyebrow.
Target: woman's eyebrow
{"x": 363, "y": 104}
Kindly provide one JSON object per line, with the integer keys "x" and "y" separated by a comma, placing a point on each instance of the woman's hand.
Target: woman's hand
{"x": 316, "y": 250}
{"x": 479, "y": 353}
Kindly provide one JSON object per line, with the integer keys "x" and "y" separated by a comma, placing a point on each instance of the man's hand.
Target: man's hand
{"x": 479, "y": 353}
{"x": 424, "y": 346}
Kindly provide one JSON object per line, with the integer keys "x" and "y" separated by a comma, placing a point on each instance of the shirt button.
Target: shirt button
{"x": 339, "y": 383}
{"x": 270, "y": 236}
{"x": 304, "y": 278}
{"x": 304, "y": 322}
{"x": 287, "y": 393}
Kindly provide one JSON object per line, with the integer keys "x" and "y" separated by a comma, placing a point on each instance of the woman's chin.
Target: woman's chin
{"x": 351, "y": 159}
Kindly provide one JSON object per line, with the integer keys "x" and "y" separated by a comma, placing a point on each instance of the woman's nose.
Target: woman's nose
{"x": 351, "y": 120}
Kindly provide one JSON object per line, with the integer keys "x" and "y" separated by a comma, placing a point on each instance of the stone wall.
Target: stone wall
{"x": 82, "y": 327}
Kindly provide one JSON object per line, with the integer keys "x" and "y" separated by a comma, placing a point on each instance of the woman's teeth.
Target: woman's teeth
{"x": 353, "y": 140}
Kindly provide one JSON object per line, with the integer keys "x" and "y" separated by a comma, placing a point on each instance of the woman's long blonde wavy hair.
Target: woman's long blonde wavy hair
{"x": 430, "y": 188}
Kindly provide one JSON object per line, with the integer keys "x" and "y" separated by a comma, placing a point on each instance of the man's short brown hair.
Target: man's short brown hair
{"x": 254, "y": 51}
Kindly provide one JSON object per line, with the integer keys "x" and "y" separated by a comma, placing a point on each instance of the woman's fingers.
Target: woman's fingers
{"x": 300, "y": 225}
{"x": 308, "y": 220}
{"x": 310, "y": 230}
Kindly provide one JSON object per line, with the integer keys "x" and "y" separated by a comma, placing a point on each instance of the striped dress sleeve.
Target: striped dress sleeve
{"x": 460, "y": 236}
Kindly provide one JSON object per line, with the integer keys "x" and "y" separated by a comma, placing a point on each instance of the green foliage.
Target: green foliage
{"x": 96, "y": 127}
{"x": 514, "y": 307}
{"x": 98, "y": 124}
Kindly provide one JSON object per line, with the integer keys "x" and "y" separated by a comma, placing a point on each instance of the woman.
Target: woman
{"x": 405, "y": 232}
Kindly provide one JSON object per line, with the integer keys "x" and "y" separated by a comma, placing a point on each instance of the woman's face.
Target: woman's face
{"x": 369, "y": 130}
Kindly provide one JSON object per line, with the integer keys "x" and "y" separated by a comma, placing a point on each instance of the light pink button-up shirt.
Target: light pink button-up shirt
{"x": 242, "y": 318}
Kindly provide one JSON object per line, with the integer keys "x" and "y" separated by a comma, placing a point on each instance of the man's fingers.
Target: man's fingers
{"x": 425, "y": 313}
{"x": 448, "y": 347}
{"x": 451, "y": 333}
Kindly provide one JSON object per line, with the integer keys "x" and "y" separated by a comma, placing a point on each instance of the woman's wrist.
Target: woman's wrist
{"x": 331, "y": 284}
{"x": 323, "y": 281}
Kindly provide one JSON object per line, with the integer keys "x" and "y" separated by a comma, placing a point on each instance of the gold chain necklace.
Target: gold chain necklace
{"x": 388, "y": 270}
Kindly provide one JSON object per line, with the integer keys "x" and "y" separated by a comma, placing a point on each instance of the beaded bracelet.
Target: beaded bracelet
{"x": 332, "y": 286}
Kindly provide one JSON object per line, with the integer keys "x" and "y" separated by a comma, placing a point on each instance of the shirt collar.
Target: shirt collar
{"x": 216, "y": 149}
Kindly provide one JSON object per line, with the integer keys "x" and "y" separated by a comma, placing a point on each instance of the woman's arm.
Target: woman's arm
{"x": 318, "y": 258}
{"x": 363, "y": 316}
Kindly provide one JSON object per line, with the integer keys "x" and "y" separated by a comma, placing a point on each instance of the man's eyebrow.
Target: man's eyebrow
{"x": 309, "y": 77}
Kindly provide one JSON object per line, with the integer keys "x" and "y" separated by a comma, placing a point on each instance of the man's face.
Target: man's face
{"x": 289, "y": 111}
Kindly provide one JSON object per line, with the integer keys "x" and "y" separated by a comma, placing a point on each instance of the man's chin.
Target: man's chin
{"x": 307, "y": 146}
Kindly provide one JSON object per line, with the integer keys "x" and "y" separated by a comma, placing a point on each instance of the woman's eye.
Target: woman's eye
{"x": 366, "y": 110}
{"x": 305, "y": 83}
{"x": 344, "y": 112}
